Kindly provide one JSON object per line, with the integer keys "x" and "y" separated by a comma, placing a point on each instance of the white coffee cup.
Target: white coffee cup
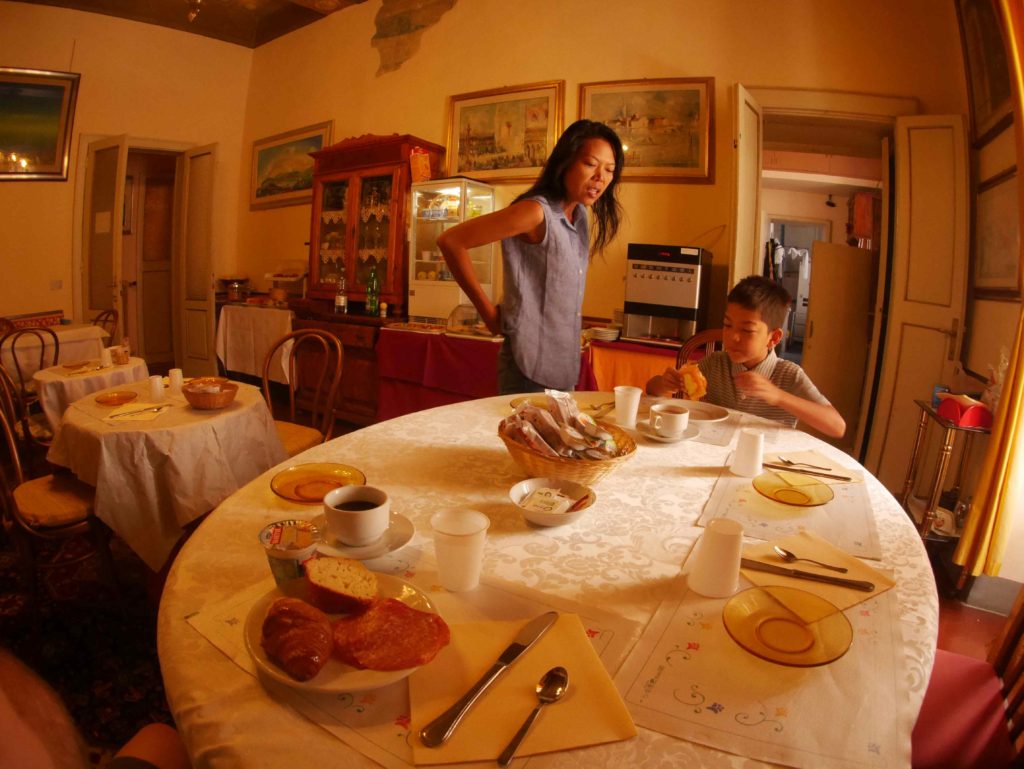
{"x": 156, "y": 388}
{"x": 747, "y": 458}
{"x": 716, "y": 564}
{"x": 357, "y": 515}
{"x": 459, "y": 539}
{"x": 669, "y": 420}
{"x": 627, "y": 401}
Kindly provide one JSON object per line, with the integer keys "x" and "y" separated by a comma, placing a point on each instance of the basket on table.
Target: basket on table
{"x": 209, "y": 392}
{"x": 585, "y": 471}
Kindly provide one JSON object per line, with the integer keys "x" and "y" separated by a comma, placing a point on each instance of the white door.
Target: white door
{"x": 928, "y": 284}
{"x": 102, "y": 225}
{"x": 747, "y": 143}
{"x": 196, "y": 285}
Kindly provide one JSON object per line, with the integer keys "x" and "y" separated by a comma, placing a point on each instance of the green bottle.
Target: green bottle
{"x": 372, "y": 293}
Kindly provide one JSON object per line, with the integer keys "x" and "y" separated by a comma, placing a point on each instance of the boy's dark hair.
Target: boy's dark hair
{"x": 766, "y": 296}
{"x": 551, "y": 183}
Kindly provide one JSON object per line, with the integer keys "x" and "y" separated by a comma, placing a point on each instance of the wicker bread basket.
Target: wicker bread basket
{"x": 200, "y": 396}
{"x": 585, "y": 471}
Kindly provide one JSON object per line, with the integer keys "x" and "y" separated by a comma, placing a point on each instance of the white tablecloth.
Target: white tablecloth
{"x": 154, "y": 477}
{"x": 246, "y": 333}
{"x": 59, "y": 387}
{"x": 621, "y": 557}
{"x": 77, "y": 342}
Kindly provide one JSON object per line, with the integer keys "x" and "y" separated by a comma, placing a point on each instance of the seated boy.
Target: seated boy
{"x": 747, "y": 374}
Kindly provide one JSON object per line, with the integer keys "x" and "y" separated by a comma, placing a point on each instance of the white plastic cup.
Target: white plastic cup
{"x": 106, "y": 359}
{"x": 176, "y": 379}
{"x": 747, "y": 458}
{"x": 357, "y": 515}
{"x": 156, "y": 388}
{"x": 627, "y": 401}
{"x": 459, "y": 538}
{"x": 716, "y": 568}
{"x": 669, "y": 420}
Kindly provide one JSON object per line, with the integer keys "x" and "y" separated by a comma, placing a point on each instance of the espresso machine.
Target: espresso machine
{"x": 666, "y": 293}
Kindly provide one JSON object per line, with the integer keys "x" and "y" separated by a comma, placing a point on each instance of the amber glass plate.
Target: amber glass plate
{"x": 116, "y": 398}
{"x": 793, "y": 489}
{"x": 78, "y": 364}
{"x": 787, "y": 626}
{"x": 309, "y": 483}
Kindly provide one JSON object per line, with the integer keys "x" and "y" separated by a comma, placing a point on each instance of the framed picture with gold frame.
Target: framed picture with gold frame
{"x": 667, "y": 125}
{"x": 35, "y": 123}
{"x": 989, "y": 86}
{"x": 504, "y": 134}
{"x": 997, "y": 238}
{"x": 282, "y": 168}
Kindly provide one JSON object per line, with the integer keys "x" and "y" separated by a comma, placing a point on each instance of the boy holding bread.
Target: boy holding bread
{"x": 747, "y": 374}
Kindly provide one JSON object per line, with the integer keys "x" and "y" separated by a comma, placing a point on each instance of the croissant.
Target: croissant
{"x": 297, "y": 637}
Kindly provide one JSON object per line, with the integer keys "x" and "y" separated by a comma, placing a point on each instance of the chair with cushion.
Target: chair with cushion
{"x": 51, "y": 507}
{"x": 32, "y": 430}
{"x": 972, "y": 716}
{"x": 31, "y": 349}
{"x": 312, "y": 360}
{"x": 709, "y": 339}
{"x": 108, "y": 321}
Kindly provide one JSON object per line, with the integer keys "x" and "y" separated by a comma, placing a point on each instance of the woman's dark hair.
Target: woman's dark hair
{"x": 551, "y": 183}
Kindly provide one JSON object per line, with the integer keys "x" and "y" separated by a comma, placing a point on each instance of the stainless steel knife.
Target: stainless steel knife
{"x": 856, "y": 584}
{"x": 801, "y": 471}
{"x": 441, "y": 728}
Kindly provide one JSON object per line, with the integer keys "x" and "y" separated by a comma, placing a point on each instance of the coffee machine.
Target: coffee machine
{"x": 666, "y": 293}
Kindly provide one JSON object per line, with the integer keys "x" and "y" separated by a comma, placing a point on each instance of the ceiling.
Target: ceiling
{"x": 244, "y": 22}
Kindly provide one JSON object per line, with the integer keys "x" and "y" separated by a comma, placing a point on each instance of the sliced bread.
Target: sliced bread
{"x": 340, "y": 585}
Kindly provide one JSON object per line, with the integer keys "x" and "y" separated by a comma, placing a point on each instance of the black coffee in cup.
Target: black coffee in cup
{"x": 355, "y": 505}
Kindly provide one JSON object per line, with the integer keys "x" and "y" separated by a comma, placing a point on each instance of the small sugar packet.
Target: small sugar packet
{"x": 547, "y": 501}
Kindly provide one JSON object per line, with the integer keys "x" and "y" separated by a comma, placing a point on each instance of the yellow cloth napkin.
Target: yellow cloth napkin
{"x": 145, "y": 412}
{"x": 590, "y": 713}
{"x": 808, "y": 545}
{"x": 814, "y": 458}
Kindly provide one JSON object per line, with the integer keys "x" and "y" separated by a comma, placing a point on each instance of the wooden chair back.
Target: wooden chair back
{"x": 1007, "y": 657}
{"x": 108, "y": 320}
{"x": 313, "y": 361}
{"x": 21, "y": 343}
{"x": 710, "y": 339}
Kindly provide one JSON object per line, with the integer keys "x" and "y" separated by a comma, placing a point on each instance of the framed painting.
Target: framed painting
{"x": 997, "y": 238}
{"x": 282, "y": 169}
{"x": 667, "y": 125}
{"x": 505, "y": 134}
{"x": 35, "y": 123}
{"x": 988, "y": 70}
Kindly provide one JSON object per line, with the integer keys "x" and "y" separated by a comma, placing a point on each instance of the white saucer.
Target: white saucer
{"x": 644, "y": 428}
{"x": 400, "y": 530}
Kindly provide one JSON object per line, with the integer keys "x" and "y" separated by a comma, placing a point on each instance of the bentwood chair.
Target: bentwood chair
{"x": 39, "y": 345}
{"x": 52, "y": 507}
{"x": 312, "y": 360}
{"x": 709, "y": 339}
{"x": 108, "y": 320}
{"x": 32, "y": 430}
{"x": 973, "y": 711}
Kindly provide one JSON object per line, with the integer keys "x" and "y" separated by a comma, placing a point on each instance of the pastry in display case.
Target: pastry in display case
{"x": 436, "y": 206}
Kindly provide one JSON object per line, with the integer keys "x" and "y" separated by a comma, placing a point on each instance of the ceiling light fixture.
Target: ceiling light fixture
{"x": 193, "y": 9}
{"x": 830, "y": 202}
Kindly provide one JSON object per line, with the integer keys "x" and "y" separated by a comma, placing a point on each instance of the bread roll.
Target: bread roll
{"x": 297, "y": 637}
{"x": 390, "y": 636}
{"x": 339, "y": 585}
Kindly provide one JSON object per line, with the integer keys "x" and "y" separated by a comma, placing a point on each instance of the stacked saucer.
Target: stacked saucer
{"x": 604, "y": 334}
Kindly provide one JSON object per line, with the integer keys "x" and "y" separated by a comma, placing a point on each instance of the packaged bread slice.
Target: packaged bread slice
{"x": 340, "y": 585}
{"x": 390, "y": 636}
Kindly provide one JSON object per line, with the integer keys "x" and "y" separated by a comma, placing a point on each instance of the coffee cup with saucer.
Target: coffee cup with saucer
{"x": 398, "y": 533}
{"x": 644, "y": 428}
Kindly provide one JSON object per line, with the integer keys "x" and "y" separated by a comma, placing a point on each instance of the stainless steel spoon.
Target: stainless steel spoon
{"x": 791, "y": 463}
{"x": 789, "y": 557}
{"x": 550, "y": 688}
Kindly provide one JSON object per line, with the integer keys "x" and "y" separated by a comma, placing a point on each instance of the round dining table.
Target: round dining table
{"x": 621, "y": 561}
{"x": 61, "y": 385}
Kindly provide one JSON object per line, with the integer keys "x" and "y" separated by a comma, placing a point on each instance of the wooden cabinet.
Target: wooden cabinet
{"x": 360, "y": 206}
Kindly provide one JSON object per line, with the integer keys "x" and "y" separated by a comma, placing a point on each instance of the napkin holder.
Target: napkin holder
{"x": 964, "y": 411}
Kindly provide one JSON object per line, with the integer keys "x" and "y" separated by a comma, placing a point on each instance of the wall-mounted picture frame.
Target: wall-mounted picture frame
{"x": 667, "y": 125}
{"x": 989, "y": 86}
{"x": 504, "y": 134}
{"x": 36, "y": 123}
{"x": 997, "y": 238}
{"x": 282, "y": 169}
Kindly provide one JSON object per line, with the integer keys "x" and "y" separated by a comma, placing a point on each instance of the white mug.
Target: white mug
{"x": 357, "y": 515}
{"x": 669, "y": 420}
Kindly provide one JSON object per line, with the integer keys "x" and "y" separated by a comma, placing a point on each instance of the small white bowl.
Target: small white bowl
{"x": 571, "y": 489}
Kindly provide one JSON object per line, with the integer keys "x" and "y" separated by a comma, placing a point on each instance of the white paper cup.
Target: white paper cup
{"x": 746, "y": 460}
{"x": 716, "y": 567}
{"x": 627, "y": 401}
{"x": 459, "y": 538}
{"x": 669, "y": 420}
{"x": 106, "y": 359}
{"x": 176, "y": 379}
{"x": 156, "y": 388}
{"x": 357, "y": 515}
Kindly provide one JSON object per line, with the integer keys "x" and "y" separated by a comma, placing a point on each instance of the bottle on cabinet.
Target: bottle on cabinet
{"x": 372, "y": 292}
{"x": 341, "y": 297}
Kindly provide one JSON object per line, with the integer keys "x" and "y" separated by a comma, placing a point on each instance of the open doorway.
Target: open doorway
{"x": 791, "y": 244}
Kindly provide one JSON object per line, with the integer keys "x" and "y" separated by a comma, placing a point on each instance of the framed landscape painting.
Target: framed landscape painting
{"x": 38, "y": 110}
{"x": 997, "y": 238}
{"x": 282, "y": 169}
{"x": 988, "y": 70}
{"x": 667, "y": 125}
{"x": 505, "y": 134}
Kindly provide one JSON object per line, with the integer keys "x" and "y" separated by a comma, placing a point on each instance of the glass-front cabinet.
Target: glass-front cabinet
{"x": 436, "y": 206}
{"x": 360, "y": 200}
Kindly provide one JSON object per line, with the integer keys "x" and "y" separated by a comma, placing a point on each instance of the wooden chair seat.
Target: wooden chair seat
{"x": 297, "y": 438}
{"x": 54, "y": 500}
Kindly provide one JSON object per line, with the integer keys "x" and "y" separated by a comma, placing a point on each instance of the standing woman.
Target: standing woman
{"x": 546, "y": 250}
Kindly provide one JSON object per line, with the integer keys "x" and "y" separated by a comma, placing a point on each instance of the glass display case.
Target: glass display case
{"x": 436, "y": 206}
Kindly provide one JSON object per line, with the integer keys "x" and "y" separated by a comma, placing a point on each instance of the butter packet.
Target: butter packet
{"x": 547, "y": 501}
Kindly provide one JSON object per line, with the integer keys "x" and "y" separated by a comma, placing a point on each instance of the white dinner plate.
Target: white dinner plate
{"x": 400, "y": 530}
{"x": 644, "y": 428}
{"x": 703, "y": 412}
{"x": 335, "y": 675}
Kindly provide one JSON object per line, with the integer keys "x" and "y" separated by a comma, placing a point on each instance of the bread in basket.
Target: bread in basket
{"x": 209, "y": 392}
